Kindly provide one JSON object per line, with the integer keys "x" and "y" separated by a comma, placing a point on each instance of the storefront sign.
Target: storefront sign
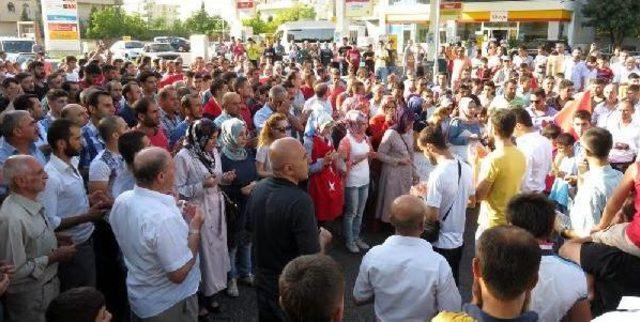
{"x": 245, "y": 5}
{"x": 357, "y": 8}
{"x": 61, "y": 29}
{"x": 450, "y": 11}
{"x": 499, "y": 16}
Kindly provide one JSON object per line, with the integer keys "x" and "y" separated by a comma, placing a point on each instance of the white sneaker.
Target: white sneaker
{"x": 362, "y": 245}
{"x": 352, "y": 248}
{"x": 232, "y": 288}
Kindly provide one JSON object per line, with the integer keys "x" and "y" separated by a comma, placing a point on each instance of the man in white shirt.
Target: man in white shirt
{"x": 621, "y": 74}
{"x": 561, "y": 291}
{"x": 159, "y": 247}
{"x": 315, "y": 106}
{"x": 67, "y": 205}
{"x": 522, "y": 58}
{"x": 405, "y": 278}
{"x": 604, "y": 112}
{"x": 537, "y": 150}
{"x": 448, "y": 191}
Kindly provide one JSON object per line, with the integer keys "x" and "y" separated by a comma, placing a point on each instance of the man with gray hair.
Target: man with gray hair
{"x": 159, "y": 247}
{"x": 28, "y": 242}
{"x": 19, "y": 135}
{"x": 278, "y": 102}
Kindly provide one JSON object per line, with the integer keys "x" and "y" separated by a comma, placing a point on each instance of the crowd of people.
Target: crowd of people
{"x": 143, "y": 191}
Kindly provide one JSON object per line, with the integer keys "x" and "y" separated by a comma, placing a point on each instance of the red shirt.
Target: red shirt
{"x": 158, "y": 138}
{"x": 334, "y": 92}
{"x": 169, "y": 79}
{"x": 245, "y": 112}
{"x": 211, "y": 109}
{"x": 307, "y": 91}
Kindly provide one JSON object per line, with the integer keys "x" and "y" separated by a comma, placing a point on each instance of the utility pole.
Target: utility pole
{"x": 434, "y": 29}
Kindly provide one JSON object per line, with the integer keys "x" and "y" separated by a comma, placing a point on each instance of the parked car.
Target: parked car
{"x": 178, "y": 43}
{"x": 128, "y": 50}
{"x": 159, "y": 50}
{"x": 16, "y": 47}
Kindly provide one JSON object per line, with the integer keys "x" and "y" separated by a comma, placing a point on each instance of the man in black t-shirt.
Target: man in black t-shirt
{"x": 342, "y": 52}
{"x": 369, "y": 60}
{"x": 283, "y": 223}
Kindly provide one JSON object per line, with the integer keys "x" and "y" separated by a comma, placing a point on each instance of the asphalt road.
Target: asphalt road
{"x": 244, "y": 308}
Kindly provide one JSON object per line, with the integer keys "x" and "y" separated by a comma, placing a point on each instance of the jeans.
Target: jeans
{"x": 453, "y": 257}
{"x": 354, "y": 203}
{"x": 241, "y": 253}
{"x": 381, "y": 74}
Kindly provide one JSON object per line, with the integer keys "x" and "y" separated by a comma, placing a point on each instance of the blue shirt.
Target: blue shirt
{"x": 178, "y": 132}
{"x": 93, "y": 145}
{"x": 7, "y": 150}
{"x": 261, "y": 117}
{"x": 128, "y": 114}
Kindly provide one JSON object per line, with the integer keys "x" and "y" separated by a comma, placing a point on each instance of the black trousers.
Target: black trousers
{"x": 267, "y": 295}
{"x": 453, "y": 257}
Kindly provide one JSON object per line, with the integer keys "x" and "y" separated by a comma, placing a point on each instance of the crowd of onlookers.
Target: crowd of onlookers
{"x": 143, "y": 191}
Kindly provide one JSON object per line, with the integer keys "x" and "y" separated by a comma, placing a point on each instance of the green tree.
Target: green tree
{"x": 259, "y": 26}
{"x": 295, "y": 13}
{"x": 616, "y": 18}
{"x": 113, "y": 22}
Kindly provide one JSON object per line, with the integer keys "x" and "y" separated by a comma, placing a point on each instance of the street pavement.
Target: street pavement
{"x": 244, "y": 308}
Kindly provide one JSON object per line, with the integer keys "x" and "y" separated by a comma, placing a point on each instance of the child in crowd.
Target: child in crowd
{"x": 565, "y": 170}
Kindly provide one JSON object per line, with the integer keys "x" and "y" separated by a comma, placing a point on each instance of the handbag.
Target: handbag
{"x": 432, "y": 232}
{"x": 231, "y": 208}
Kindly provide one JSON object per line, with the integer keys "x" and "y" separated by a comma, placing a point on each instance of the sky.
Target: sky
{"x": 219, "y": 7}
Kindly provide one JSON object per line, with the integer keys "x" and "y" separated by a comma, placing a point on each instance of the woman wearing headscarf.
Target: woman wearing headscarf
{"x": 464, "y": 129}
{"x": 396, "y": 154}
{"x": 325, "y": 182}
{"x": 236, "y": 158}
{"x": 197, "y": 179}
{"x": 355, "y": 150}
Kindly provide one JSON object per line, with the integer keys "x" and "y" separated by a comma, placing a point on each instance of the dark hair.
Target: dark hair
{"x": 532, "y": 212}
{"x": 503, "y": 122}
{"x": 216, "y": 85}
{"x": 70, "y": 59}
{"x": 565, "y": 83}
{"x": 142, "y": 106}
{"x": 238, "y": 83}
{"x": 94, "y": 97}
{"x": 566, "y": 139}
{"x": 311, "y": 287}
{"x": 128, "y": 87}
{"x": 8, "y": 81}
{"x": 432, "y": 135}
{"x": 147, "y": 172}
{"x": 60, "y": 129}
{"x": 540, "y": 93}
{"x": 522, "y": 116}
{"x": 36, "y": 63}
{"x": 92, "y": 69}
{"x": 144, "y": 76}
{"x": 583, "y": 115}
{"x": 551, "y": 131}
{"x": 321, "y": 89}
{"x": 108, "y": 68}
{"x": 81, "y": 304}
{"x": 130, "y": 143}
{"x": 633, "y": 87}
{"x": 54, "y": 94}
{"x": 22, "y": 76}
{"x": 24, "y": 102}
{"x": 509, "y": 259}
{"x": 598, "y": 142}
{"x": 107, "y": 126}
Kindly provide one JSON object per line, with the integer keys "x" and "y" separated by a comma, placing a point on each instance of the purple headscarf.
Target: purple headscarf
{"x": 404, "y": 117}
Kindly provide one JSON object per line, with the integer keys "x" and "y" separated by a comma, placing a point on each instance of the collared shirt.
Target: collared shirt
{"x": 65, "y": 196}
{"x": 602, "y": 114}
{"x": 46, "y": 121}
{"x": 169, "y": 122}
{"x": 501, "y": 102}
{"x": 224, "y": 117}
{"x": 596, "y": 188}
{"x": 541, "y": 119}
{"x": 26, "y": 239}
{"x": 628, "y": 134}
{"x": 93, "y": 145}
{"x": 153, "y": 236}
{"x": 538, "y": 152}
{"x": 124, "y": 181}
{"x": 406, "y": 270}
{"x": 7, "y": 150}
{"x": 261, "y": 117}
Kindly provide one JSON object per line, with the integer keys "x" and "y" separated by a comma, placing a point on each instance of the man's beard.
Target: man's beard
{"x": 71, "y": 152}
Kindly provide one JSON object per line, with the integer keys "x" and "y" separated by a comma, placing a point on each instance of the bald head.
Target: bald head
{"x": 408, "y": 214}
{"x": 288, "y": 159}
{"x": 149, "y": 163}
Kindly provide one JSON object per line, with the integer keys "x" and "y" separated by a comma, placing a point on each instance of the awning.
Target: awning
{"x": 483, "y": 16}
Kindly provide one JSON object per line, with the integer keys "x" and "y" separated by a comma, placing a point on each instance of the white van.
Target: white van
{"x": 300, "y": 31}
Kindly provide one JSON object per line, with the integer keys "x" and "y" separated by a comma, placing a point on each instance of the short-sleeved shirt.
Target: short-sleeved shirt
{"x": 153, "y": 237}
{"x": 105, "y": 167}
{"x": 560, "y": 280}
{"x": 262, "y": 156}
{"x": 504, "y": 169}
{"x": 445, "y": 192}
